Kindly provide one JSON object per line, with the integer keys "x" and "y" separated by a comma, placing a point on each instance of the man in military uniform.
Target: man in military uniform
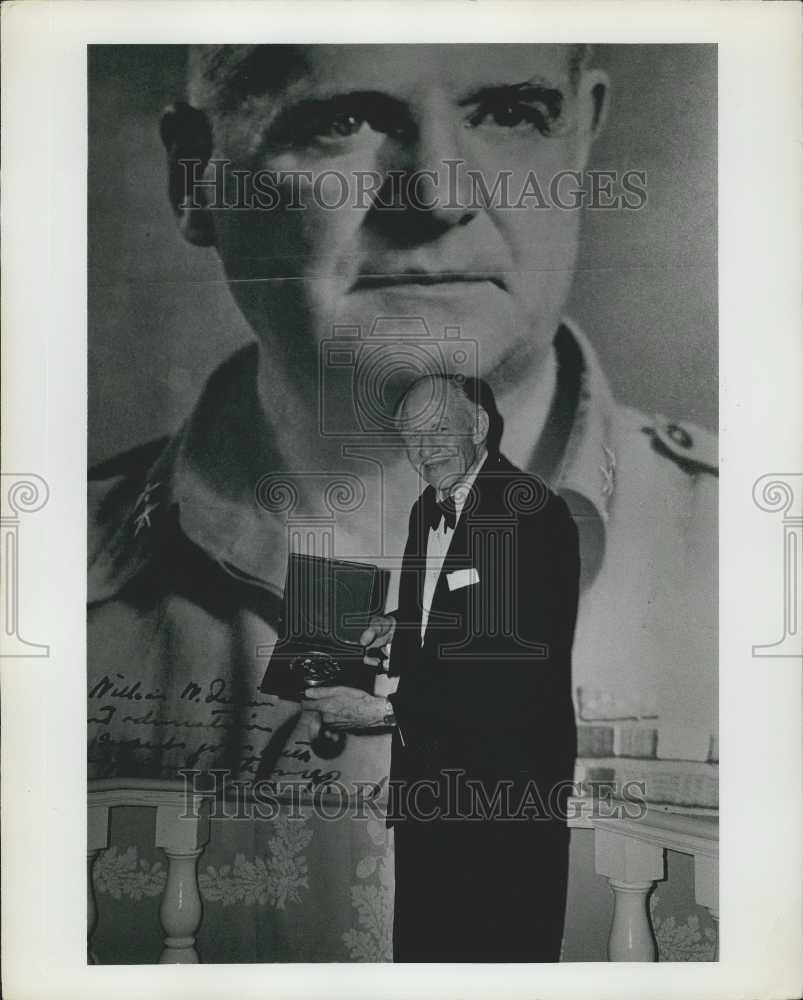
{"x": 189, "y": 536}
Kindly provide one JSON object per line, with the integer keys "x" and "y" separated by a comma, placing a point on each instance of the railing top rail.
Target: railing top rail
{"x": 685, "y": 833}
{"x": 151, "y": 784}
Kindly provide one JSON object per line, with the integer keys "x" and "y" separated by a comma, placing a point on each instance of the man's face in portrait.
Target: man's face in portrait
{"x": 500, "y": 274}
{"x": 442, "y": 431}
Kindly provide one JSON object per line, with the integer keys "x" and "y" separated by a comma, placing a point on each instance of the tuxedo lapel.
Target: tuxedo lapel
{"x": 484, "y": 504}
{"x": 407, "y": 643}
{"x": 422, "y": 538}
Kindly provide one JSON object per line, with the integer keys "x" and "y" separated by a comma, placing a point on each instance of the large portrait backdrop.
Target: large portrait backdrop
{"x": 214, "y": 328}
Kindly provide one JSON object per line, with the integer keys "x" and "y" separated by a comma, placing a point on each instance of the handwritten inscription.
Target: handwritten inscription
{"x": 163, "y": 736}
{"x": 220, "y": 718}
{"x": 215, "y": 691}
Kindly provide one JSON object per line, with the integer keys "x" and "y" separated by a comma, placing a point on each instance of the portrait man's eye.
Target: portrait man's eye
{"x": 338, "y": 120}
{"x": 521, "y": 110}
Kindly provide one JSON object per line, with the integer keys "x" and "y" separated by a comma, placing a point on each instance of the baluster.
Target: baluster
{"x": 181, "y": 909}
{"x": 91, "y": 908}
{"x": 706, "y": 890}
{"x": 631, "y": 938}
{"x": 97, "y": 841}
{"x": 715, "y": 918}
{"x": 632, "y": 868}
{"x": 182, "y": 835}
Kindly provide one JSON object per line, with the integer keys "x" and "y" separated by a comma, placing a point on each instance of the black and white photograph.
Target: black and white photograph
{"x": 402, "y": 500}
{"x": 402, "y": 504}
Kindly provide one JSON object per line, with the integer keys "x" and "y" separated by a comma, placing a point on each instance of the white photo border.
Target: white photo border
{"x": 44, "y": 156}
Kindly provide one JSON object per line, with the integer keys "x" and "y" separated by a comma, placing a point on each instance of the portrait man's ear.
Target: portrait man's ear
{"x": 481, "y": 427}
{"x": 187, "y": 138}
{"x": 593, "y": 99}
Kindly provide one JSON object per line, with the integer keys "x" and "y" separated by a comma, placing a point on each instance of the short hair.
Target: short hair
{"x": 220, "y": 77}
{"x": 477, "y": 391}
{"x": 579, "y": 58}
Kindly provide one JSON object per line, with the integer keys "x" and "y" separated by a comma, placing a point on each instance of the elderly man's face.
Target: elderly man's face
{"x": 501, "y": 275}
{"x": 442, "y": 432}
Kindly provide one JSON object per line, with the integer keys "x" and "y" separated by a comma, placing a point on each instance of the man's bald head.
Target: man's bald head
{"x": 429, "y": 394}
{"x": 447, "y": 422}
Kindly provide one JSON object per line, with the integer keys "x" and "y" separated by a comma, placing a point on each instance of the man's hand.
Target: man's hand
{"x": 345, "y": 707}
{"x": 378, "y": 634}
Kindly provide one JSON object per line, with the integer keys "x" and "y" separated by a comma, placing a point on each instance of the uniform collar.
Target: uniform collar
{"x": 206, "y": 482}
{"x": 208, "y": 477}
{"x": 221, "y": 465}
{"x": 576, "y": 452}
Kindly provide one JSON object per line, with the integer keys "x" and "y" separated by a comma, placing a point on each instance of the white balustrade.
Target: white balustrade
{"x": 631, "y": 854}
{"x": 182, "y": 831}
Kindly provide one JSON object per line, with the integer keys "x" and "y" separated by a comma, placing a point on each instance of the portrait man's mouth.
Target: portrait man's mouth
{"x": 423, "y": 281}
{"x": 433, "y": 463}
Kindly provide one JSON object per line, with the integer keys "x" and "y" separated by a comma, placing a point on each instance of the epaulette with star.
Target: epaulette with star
{"x": 692, "y": 447}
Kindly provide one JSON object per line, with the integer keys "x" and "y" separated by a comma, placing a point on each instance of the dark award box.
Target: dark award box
{"x": 327, "y": 604}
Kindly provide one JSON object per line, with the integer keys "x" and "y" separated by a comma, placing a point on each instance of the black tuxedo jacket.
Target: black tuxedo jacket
{"x": 489, "y": 690}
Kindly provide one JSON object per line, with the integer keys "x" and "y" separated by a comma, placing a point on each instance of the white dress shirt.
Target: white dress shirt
{"x": 440, "y": 538}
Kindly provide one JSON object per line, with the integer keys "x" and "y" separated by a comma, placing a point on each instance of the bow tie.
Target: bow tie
{"x": 445, "y": 509}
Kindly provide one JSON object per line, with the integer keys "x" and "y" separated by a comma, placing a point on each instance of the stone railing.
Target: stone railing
{"x": 182, "y": 831}
{"x": 629, "y": 852}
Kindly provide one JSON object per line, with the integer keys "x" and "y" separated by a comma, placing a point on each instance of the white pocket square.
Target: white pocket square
{"x": 462, "y": 578}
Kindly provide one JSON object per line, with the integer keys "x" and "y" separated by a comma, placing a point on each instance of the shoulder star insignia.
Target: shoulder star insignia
{"x": 608, "y": 471}
{"x": 142, "y": 517}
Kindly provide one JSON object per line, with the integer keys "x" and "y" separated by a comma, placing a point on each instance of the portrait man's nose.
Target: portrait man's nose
{"x": 424, "y": 196}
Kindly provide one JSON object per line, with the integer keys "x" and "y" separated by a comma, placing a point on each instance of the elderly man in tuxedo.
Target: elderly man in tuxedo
{"x": 484, "y": 732}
